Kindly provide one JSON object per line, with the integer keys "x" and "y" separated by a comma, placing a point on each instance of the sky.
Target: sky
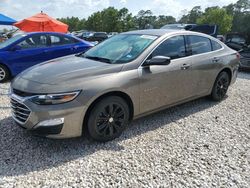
{"x": 20, "y": 9}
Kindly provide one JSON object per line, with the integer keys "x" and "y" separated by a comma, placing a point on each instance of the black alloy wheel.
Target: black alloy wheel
{"x": 220, "y": 86}
{"x": 108, "y": 119}
{"x": 4, "y": 74}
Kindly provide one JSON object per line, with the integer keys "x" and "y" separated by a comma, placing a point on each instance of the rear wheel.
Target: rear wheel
{"x": 220, "y": 86}
{"x": 4, "y": 73}
{"x": 108, "y": 119}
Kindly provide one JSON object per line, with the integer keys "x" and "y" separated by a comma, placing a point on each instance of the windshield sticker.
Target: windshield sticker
{"x": 129, "y": 56}
{"x": 151, "y": 37}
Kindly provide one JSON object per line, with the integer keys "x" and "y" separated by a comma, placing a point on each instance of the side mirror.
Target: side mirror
{"x": 157, "y": 60}
{"x": 15, "y": 48}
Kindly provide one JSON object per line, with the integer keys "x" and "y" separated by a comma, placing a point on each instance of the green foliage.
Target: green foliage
{"x": 241, "y": 16}
{"x": 146, "y": 18}
{"x": 192, "y": 16}
{"x": 126, "y": 20}
{"x": 110, "y": 20}
{"x": 234, "y": 17}
{"x": 242, "y": 6}
{"x": 114, "y": 20}
{"x": 162, "y": 20}
{"x": 74, "y": 23}
{"x": 218, "y": 16}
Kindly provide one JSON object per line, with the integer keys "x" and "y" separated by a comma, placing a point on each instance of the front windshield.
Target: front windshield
{"x": 121, "y": 48}
{"x": 10, "y": 41}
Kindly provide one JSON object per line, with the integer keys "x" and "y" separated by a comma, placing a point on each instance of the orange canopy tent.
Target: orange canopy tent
{"x": 41, "y": 22}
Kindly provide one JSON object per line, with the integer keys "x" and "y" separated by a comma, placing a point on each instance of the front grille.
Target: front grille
{"x": 19, "y": 111}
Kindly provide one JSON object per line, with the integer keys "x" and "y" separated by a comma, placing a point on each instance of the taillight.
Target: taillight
{"x": 238, "y": 55}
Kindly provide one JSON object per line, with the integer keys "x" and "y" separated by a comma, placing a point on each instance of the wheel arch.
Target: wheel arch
{"x": 6, "y": 66}
{"x": 227, "y": 70}
{"x": 121, "y": 94}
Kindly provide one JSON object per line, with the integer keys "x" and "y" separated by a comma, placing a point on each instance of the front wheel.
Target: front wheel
{"x": 220, "y": 86}
{"x": 4, "y": 74}
{"x": 108, "y": 119}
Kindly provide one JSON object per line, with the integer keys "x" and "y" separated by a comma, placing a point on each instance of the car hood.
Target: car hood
{"x": 68, "y": 69}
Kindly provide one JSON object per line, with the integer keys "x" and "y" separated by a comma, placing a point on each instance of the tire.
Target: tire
{"x": 108, "y": 119}
{"x": 220, "y": 86}
{"x": 4, "y": 74}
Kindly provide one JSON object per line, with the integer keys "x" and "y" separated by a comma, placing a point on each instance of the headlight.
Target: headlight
{"x": 50, "y": 99}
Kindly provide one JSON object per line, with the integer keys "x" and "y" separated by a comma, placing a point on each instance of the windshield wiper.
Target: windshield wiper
{"x": 105, "y": 60}
{"x": 81, "y": 54}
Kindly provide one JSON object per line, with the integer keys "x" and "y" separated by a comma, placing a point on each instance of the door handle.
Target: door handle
{"x": 185, "y": 66}
{"x": 216, "y": 59}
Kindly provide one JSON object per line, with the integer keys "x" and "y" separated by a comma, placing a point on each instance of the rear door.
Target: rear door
{"x": 62, "y": 45}
{"x": 206, "y": 59}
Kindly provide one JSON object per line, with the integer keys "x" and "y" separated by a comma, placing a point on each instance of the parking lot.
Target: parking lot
{"x": 197, "y": 144}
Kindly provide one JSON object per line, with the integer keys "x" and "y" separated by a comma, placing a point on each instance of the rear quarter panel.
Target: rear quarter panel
{"x": 228, "y": 60}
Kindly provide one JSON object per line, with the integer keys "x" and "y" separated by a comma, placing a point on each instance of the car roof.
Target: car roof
{"x": 160, "y": 32}
{"x": 156, "y": 32}
{"x": 31, "y": 33}
{"x": 164, "y": 32}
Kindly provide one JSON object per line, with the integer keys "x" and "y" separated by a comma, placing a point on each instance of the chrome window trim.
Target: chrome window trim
{"x": 182, "y": 34}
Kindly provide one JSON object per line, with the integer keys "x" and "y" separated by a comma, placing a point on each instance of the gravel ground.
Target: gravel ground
{"x": 198, "y": 144}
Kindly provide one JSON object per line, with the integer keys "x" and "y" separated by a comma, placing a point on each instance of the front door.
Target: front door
{"x": 167, "y": 84}
{"x": 31, "y": 51}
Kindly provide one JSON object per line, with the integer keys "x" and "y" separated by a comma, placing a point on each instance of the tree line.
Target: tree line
{"x": 231, "y": 18}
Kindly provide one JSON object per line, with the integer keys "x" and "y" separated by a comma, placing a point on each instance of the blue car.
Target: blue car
{"x": 25, "y": 50}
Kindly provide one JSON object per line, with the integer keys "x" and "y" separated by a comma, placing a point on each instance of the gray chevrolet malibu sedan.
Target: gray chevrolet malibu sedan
{"x": 125, "y": 77}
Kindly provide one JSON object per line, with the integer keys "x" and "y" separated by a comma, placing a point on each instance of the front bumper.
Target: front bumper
{"x": 45, "y": 131}
{"x": 72, "y": 114}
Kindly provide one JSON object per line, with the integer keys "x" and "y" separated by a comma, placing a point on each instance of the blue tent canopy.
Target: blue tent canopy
{"x": 4, "y": 20}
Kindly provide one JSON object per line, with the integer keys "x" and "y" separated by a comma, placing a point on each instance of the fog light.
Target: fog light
{"x": 51, "y": 122}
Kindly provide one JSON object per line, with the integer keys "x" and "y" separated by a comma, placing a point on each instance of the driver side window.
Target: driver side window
{"x": 173, "y": 47}
{"x": 35, "y": 41}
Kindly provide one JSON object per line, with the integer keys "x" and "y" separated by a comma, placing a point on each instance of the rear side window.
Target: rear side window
{"x": 199, "y": 44}
{"x": 173, "y": 47}
{"x": 57, "y": 40}
{"x": 215, "y": 45}
{"x": 69, "y": 40}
